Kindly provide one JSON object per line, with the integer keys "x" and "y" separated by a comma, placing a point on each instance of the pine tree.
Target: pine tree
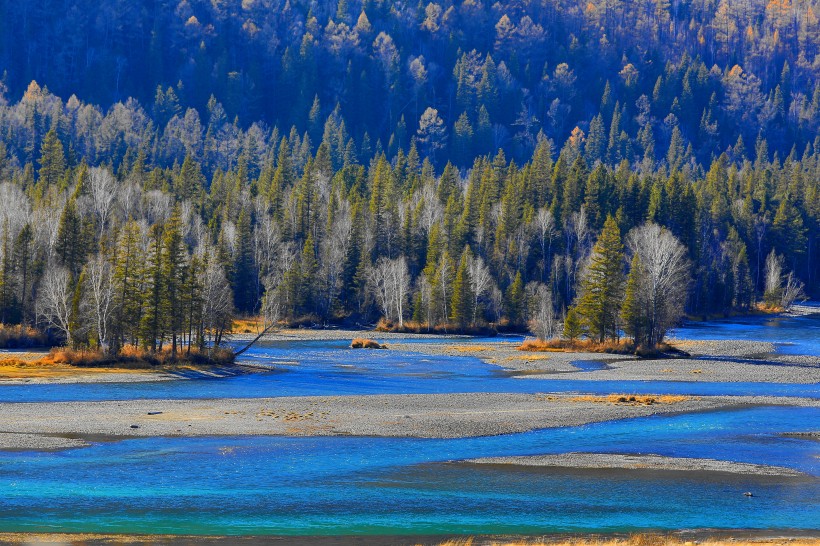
{"x": 173, "y": 274}
{"x": 245, "y": 278}
{"x": 24, "y": 268}
{"x": 128, "y": 271}
{"x": 515, "y": 300}
{"x": 573, "y": 326}
{"x": 602, "y": 284}
{"x": 461, "y": 306}
{"x": 151, "y": 323}
{"x": 52, "y": 160}
{"x": 632, "y": 311}
{"x": 70, "y": 245}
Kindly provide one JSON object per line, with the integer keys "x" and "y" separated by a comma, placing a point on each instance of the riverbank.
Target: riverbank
{"x": 23, "y": 425}
{"x": 637, "y": 462}
{"x": 689, "y": 537}
{"x": 711, "y": 361}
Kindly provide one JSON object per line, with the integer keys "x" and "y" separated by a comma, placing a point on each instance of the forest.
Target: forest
{"x": 455, "y": 166}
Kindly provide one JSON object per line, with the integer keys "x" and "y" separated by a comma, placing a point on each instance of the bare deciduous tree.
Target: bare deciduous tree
{"x": 101, "y": 295}
{"x": 218, "y": 298}
{"x": 390, "y": 282}
{"x": 103, "y": 189}
{"x": 543, "y": 323}
{"x": 664, "y": 281}
{"x": 54, "y": 301}
{"x": 781, "y": 290}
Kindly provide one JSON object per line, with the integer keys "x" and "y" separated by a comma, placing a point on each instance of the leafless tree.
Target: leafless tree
{"x": 481, "y": 282}
{"x": 546, "y": 230}
{"x": 334, "y": 250}
{"x": 543, "y": 322}
{"x": 781, "y": 290}
{"x": 390, "y": 282}
{"x": 664, "y": 283}
{"x": 103, "y": 190}
{"x": 218, "y": 298}
{"x": 101, "y": 295}
{"x": 54, "y": 301}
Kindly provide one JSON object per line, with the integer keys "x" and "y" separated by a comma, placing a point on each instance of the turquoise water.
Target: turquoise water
{"x": 792, "y": 335}
{"x": 272, "y": 485}
{"x": 330, "y": 368}
{"x": 347, "y": 485}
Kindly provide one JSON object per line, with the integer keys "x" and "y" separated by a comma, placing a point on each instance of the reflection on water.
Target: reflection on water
{"x": 792, "y": 335}
{"x": 394, "y": 485}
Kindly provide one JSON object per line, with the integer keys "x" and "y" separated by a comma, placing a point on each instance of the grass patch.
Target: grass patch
{"x": 18, "y": 336}
{"x": 247, "y": 325}
{"x": 362, "y": 343}
{"x": 412, "y": 327}
{"x": 641, "y": 539}
{"x": 620, "y": 347}
{"x": 624, "y": 346}
{"x": 469, "y": 348}
{"x": 632, "y": 399}
{"x": 132, "y": 357}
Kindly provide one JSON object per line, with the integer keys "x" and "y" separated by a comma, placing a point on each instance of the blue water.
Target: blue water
{"x": 320, "y": 368}
{"x": 792, "y": 335}
{"x": 345, "y": 485}
{"x": 267, "y": 485}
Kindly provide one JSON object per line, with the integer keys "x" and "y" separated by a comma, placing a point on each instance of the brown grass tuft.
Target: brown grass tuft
{"x": 361, "y": 343}
{"x": 638, "y": 539}
{"x": 623, "y": 346}
{"x": 632, "y": 399}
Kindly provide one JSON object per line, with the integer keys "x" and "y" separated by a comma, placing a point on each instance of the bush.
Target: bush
{"x": 22, "y": 337}
{"x": 361, "y": 343}
{"x": 133, "y": 357}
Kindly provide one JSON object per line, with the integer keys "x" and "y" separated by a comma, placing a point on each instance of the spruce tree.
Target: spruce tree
{"x": 52, "y": 160}
{"x": 632, "y": 308}
{"x": 461, "y": 306}
{"x": 602, "y": 284}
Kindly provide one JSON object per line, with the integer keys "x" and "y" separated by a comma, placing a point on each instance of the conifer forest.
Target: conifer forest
{"x": 592, "y": 167}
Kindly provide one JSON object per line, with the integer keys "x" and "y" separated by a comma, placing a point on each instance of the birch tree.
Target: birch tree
{"x": 662, "y": 280}
{"x": 101, "y": 291}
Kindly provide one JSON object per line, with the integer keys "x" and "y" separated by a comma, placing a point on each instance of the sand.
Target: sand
{"x": 420, "y": 416}
{"x": 620, "y": 461}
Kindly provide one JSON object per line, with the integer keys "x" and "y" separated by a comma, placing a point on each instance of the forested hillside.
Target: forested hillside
{"x": 449, "y": 164}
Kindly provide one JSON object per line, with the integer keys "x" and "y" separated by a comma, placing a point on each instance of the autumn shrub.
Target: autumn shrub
{"x": 22, "y": 337}
{"x": 623, "y": 346}
{"x": 361, "y": 343}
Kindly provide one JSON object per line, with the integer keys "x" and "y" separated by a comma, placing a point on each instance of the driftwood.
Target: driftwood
{"x": 254, "y": 340}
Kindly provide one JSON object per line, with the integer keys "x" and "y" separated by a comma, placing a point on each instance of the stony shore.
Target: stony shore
{"x": 619, "y": 461}
{"x": 711, "y": 361}
{"x": 54, "y": 425}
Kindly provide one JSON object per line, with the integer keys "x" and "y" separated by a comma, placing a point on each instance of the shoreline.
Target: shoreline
{"x": 59, "y": 425}
{"x": 678, "y": 537}
{"x": 635, "y": 462}
{"x": 711, "y": 361}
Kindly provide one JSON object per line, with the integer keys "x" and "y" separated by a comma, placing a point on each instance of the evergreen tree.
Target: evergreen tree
{"x": 602, "y": 284}
{"x": 52, "y": 160}
{"x": 463, "y": 299}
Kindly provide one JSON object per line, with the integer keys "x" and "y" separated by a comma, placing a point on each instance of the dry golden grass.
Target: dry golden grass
{"x": 248, "y": 325}
{"x": 527, "y": 358}
{"x": 635, "y": 540}
{"x": 631, "y": 399}
{"x": 578, "y": 345}
{"x": 469, "y": 348}
{"x": 361, "y": 343}
{"x": 64, "y": 363}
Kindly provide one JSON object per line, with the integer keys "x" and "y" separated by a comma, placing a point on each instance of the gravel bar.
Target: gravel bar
{"x": 418, "y": 415}
{"x": 638, "y": 462}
